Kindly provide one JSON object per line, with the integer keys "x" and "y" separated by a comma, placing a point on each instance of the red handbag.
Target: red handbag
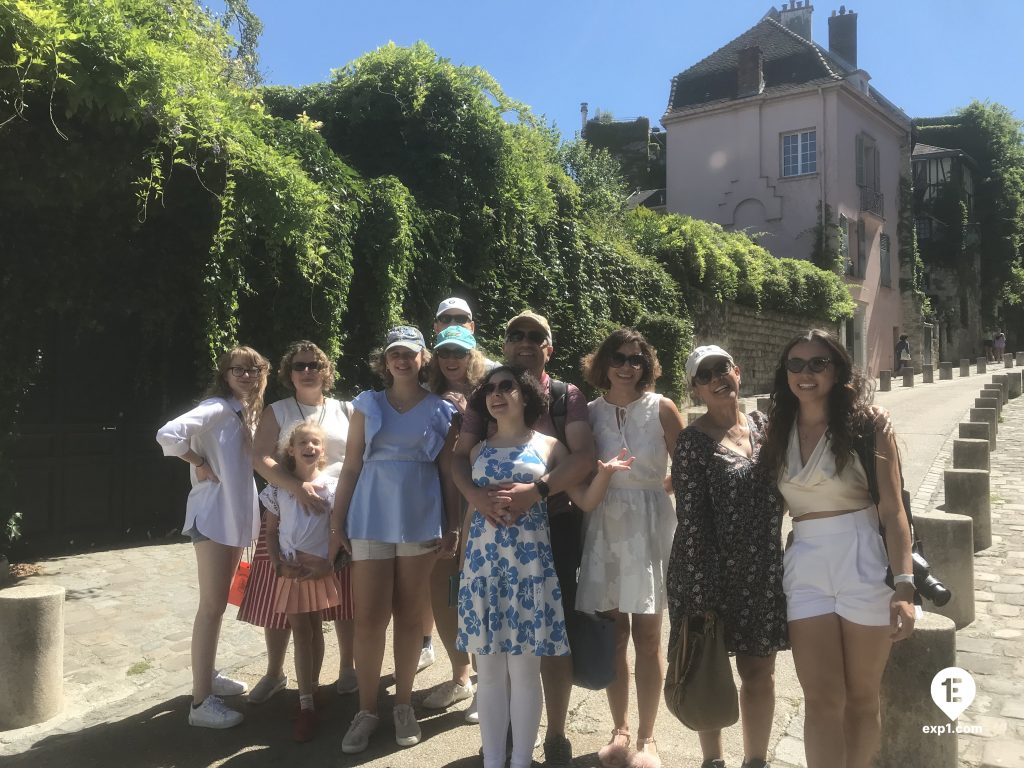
{"x": 238, "y": 582}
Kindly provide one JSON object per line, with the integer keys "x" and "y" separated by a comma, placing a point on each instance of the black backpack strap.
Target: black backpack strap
{"x": 559, "y": 407}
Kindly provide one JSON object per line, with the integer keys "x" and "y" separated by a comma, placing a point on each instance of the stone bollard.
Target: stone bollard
{"x": 908, "y": 377}
{"x": 987, "y": 415}
{"x": 885, "y": 381}
{"x": 927, "y": 375}
{"x": 692, "y": 416}
{"x": 965, "y": 367}
{"x": 1013, "y": 384}
{"x": 31, "y": 654}
{"x": 967, "y": 494}
{"x": 945, "y": 371}
{"x": 990, "y": 400}
{"x": 948, "y": 543}
{"x": 982, "y": 364}
{"x": 763, "y": 404}
{"x": 976, "y": 430}
{"x": 1003, "y": 381}
{"x": 1020, "y": 358}
{"x": 971, "y": 453}
{"x": 997, "y": 390}
{"x": 906, "y": 705}
{"x": 1007, "y": 360}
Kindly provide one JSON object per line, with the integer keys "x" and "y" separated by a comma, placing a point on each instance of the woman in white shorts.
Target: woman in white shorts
{"x": 843, "y": 619}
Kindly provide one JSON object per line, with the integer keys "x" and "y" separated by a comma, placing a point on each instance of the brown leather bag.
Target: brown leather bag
{"x": 699, "y": 687}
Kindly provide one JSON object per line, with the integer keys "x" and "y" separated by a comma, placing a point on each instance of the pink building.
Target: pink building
{"x": 773, "y": 133}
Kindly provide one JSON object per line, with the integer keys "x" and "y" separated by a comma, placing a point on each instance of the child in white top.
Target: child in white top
{"x": 298, "y": 541}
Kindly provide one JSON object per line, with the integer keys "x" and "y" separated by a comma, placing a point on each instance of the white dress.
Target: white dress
{"x": 628, "y": 537}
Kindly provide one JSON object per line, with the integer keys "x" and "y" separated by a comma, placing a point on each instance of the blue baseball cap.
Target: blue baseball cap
{"x": 405, "y": 336}
{"x": 455, "y": 336}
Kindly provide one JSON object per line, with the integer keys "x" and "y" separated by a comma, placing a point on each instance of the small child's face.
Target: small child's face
{"x": 307, "y": 448}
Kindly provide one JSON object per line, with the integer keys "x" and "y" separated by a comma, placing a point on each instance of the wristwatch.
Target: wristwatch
{"x": 542, "y": 488}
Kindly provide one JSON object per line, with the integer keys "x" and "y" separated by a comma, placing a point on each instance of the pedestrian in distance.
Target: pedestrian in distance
{"x": 221, "y": 514}
{"x": 727, "y": 553}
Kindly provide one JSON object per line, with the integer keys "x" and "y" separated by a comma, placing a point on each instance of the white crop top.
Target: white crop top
{"x": 817, "y": 486}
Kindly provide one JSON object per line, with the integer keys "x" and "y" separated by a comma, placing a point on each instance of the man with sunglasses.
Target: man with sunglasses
{"x": 528, "y": 344}
{"x": 453, "y": 311}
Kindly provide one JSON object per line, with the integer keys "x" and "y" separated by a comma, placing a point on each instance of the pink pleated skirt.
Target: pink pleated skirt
{"x": 294, "y": 596}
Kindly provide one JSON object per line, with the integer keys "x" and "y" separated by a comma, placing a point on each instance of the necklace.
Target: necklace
{"x": 402, "y": 407}
{"x": 322, "y": 407}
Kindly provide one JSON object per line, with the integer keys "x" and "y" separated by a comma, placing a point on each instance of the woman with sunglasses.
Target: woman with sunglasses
{"x": 306, "y": 372}
{"x": 221, "y": 515}
{"x": 456, "y": 368}
{"x": 628, "y": 536}
{"x": 727, "y": 553}
{"x": 843, "y": 618}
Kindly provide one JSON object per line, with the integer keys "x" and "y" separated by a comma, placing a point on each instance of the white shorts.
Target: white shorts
{"x": 837, "y": 565}
{"x": 368, "y": 549}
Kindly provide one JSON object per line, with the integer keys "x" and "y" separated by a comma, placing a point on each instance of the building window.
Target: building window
{"x": 885, "y": 263}
{"x": 799, "y": 153}
{"x": 867, "y": 162}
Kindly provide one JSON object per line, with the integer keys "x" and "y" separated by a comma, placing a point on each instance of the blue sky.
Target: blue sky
{"x": 927, "y": 56}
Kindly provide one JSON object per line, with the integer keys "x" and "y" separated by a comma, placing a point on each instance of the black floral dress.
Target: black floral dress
{"x": 727, "y": 552}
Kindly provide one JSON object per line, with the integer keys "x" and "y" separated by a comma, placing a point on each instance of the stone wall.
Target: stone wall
{"x": 754, "y": 339}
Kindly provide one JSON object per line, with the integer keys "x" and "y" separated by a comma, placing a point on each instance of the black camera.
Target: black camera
{"x": 926, "y": 585}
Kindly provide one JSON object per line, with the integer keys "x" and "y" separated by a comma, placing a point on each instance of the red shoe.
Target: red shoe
{"x": 305, "y": 726}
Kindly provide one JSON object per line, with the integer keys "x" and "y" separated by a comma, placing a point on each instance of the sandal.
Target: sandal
{"x": 646, "y": 754}
{"x": 614, "y": 755}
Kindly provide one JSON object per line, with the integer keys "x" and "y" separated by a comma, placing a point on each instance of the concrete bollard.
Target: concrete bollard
{"x": 987, "y": 415}
{"x": 967, "y": 494}
{"x": 971, "y": 453}
{"x": 1013, "y": 384}
{"x": 965, "y": 367}
{"x": 692, "y": 416}
{"x": 998, "y": 390}
{"x": 990, "y": 401}
{"x": 948, "y": 543}
{"x": 31, "y": 655}
{"x": 908, "y": 377}
{"x": 905, "y": 704}
{"x": 885, "y": 381}
{"x": 945, "y": 371}
{"x": 1007, "y": 360}
{"x": 1020, "y": 358}
{"x": 976, "y": 430}
{"x": 982, "y": 364}
{"x": 927, "y": 375}
{"x": 763, "y": 404}
{"x": 1002, "y": 380}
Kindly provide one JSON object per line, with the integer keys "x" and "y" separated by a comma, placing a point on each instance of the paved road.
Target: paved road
{"x": 128, "y": 615}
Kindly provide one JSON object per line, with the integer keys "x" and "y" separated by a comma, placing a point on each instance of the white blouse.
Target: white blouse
{"x": 225, "y": 511}
{"x": 299, "y": 530}
{"x": 818, "y": 485}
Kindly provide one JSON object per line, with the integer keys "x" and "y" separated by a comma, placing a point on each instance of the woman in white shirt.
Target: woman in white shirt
{"x": 221, "y": 515}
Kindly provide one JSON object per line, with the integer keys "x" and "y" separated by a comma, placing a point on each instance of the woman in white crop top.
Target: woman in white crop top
{"x": 843, "y": 619}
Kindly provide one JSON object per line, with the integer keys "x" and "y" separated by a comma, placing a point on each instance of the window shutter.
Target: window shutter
{"x": 859, "y": 152}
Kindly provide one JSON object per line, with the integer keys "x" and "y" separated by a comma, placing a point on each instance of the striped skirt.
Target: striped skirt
{"x": 257, "y": 606}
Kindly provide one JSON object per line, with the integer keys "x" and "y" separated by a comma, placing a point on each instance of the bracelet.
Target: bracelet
{"x": 202, "y": 462}
{"x": 903, "y": 578}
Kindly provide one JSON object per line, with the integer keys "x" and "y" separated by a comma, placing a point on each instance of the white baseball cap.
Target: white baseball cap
{"x": 700, "y": 354}
{"x": 453, "y": 303}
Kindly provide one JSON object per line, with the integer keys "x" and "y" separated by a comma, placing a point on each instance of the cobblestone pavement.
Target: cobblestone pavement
{"x": 129, "y": 611}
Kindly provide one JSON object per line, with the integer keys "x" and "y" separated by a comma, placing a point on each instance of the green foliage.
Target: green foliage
{"x": 672, "y": 336}
{"x": 599, "y": 178}
{"x": 825, "y": 249}
{"x": 910, "y": 258}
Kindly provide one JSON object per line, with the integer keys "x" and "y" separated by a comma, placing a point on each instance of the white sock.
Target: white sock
{"x": 306, "y": 701}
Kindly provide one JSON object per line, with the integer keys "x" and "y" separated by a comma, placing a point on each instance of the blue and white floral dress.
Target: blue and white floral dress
{"x": 509, "y": 597}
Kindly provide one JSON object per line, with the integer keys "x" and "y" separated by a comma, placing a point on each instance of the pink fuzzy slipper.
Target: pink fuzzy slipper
{"x": 614, "y": 755}
{"x": 646, "y": 755}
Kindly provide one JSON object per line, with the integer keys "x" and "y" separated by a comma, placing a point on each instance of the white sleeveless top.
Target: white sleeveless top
{"x": 332, "y": 416}
{"x": 638, "y": 429}
{"x": 818, "y": 486}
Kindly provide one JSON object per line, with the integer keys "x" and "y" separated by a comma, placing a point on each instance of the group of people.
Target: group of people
{"x": 493, "y": 503}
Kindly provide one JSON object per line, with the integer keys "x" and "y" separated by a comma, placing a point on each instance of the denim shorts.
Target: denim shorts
{"x": 194, "y": 535}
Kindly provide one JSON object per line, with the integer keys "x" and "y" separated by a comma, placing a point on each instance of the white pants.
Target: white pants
{"x": 497, "y": 705}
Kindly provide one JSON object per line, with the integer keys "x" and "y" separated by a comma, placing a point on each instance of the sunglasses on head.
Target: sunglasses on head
{"x": 617, "y": 360}
{"x": 448, "y": 353}
{"x": 815, "y": 364}
{"x": 300, "y": 367}
{"x": 705, "y": 375}
{"x": 238, "y": 371}
{"x": 537, "y": 337}
{"x": 504, "y": 387}
{"x": 449, "y": 319}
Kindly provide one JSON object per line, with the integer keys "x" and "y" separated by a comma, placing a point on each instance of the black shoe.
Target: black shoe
{"x": 714, "y": 763}
{"x": 755, "y": 762}
{"x": 557, "y": 752}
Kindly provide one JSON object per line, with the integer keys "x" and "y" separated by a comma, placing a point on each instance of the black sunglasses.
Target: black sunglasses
{"x": 504, "y": 387}
{"x": 816, "y": 364}
{"x": 300, "y": 367}
{"x": 705, "y": 375}
{"x": 617, "y": 360}
{"x": 446, "y": 353}
{"x": 537, "y": 337}
{"x": 238, "y": 371}
{"x": 449, "y": 319}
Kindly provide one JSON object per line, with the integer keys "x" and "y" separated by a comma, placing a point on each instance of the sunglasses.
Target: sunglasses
{"x": 300, "y": 367}
{"x": 705, "y": 375}
{"x": 617, "y": 360}
{"x": 449, "y": 319}
{"x": 448, "y": 353}
{"x": 239, "y": 371}
{"x": 537, "y": 337}
{"x": 504, "y": 387}
{"x": 815, "y": 364}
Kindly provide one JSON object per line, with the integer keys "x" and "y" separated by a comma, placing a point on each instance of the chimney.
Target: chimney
{"x": 842, "y": 35}
{"x": 583, "y": 114}
{"x": 797, "y": 18}
{"x": 750, "y": 72}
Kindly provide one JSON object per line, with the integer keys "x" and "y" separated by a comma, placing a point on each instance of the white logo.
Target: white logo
{"x": 953, "y": 690}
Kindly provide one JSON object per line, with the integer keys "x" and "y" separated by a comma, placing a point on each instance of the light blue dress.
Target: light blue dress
{"x": 509, "y": 597}
{"x": 397, "y": 498}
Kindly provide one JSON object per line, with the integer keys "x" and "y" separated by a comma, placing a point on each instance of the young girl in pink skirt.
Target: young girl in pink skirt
{"x": 297, "y": 541}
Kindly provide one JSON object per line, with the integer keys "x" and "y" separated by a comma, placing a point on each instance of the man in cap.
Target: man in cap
{"x": 528, "y": 344}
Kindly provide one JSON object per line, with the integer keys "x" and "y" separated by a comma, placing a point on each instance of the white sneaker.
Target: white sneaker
{"x": 407, "y": 730}
{"x": 213, "y": 713}
{"x": 225, "y": 686}
{"x": 426, "y": 658}
{"x": 347, "y": 682}
{"x": 447, "y": 694}
{"x": 267, "y": 687}
{"x": 357, "y": 737}
{"x": 472, "y": 716}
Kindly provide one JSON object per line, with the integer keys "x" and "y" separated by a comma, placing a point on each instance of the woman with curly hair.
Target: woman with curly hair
{"x": 842, "y": 617}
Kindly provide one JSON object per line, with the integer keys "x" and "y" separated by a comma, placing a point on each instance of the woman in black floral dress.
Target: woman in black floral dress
{"x": 727, "y": 553}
